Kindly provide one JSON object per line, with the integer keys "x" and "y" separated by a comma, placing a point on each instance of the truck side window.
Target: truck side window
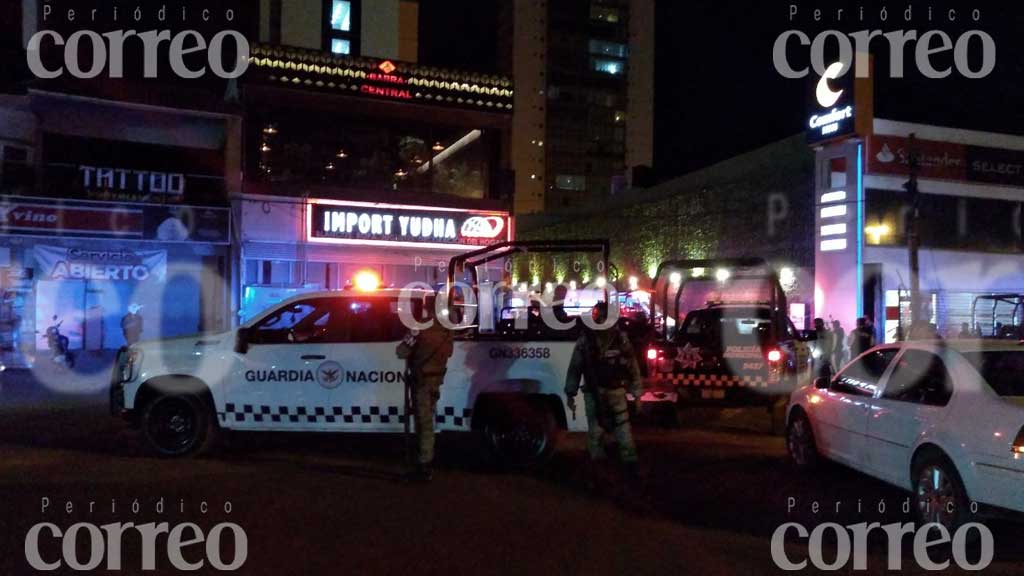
{"x": 369, "y": 320}
{"x": 295, "y": 323}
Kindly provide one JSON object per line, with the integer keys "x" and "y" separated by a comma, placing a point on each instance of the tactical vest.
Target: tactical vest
{"x": 606, "y": 369}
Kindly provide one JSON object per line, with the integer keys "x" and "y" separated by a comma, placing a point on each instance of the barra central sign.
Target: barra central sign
{"x": 395, "y": 225}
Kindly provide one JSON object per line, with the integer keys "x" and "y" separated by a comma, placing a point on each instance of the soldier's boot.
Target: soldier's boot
{"x": 424, "y": 472}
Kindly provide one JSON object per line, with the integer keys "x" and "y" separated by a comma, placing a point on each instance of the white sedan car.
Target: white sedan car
{"x": 944, "y": 420}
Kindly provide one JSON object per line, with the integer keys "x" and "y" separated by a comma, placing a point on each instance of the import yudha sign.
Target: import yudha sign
{"x": 946, "y": 161}
{"x": 397, "y": 225}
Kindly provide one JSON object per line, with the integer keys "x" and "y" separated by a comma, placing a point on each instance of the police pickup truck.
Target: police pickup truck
{"x": 726, "y": 337}
{"x": 326, "y": 362}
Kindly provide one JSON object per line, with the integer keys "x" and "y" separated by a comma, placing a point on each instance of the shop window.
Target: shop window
{"x": 357, "y": 152}
{"x": 837, "y": 172}
{"x": 605, "y": 48}
{"x": 605, "y": 14}
{"x": 341, "y": 30}
{"x": 15, "y": 168}
{"x": 252, "y": 272}
{"x": 608, "y": 66}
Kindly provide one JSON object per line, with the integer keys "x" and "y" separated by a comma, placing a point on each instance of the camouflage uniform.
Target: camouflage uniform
{"x": 607, "y": 407}
{"x": 426, "y": 353}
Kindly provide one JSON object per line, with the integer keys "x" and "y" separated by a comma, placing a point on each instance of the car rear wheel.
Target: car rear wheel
{"x": 520, "y": 434}
{"x": 800, "y": 443}
{"x": 176, "y": 425}
{"x": 939, "y": 494}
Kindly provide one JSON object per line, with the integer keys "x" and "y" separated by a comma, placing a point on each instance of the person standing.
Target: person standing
{"x": 426, "y": 353}
{"x": 839, "y": 345}
{"x": 862, "y": 338}
{"x": 965, "y": 332}
{"x": 131, "y": 324}
{"x": 825, "y": 348}
{"x": 605, "y": 359}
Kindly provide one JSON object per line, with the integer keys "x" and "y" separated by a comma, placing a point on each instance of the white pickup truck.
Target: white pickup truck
{"x": 326, "y": 362}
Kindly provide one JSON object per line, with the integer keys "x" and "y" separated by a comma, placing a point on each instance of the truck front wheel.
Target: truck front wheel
{"x": 176, "y": 425}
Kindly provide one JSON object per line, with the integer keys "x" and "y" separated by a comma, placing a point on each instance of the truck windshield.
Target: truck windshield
{"x": 732, "y": 326}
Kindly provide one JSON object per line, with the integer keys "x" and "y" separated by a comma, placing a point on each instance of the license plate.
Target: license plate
{"x": 712, "y": 394}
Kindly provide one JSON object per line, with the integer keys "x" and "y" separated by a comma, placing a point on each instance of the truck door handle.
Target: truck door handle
{"x": 314, "y": 357}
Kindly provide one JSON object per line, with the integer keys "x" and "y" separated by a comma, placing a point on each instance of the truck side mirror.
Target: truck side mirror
{"x": 242, "y": 341}
{"x": 821, "y": 383}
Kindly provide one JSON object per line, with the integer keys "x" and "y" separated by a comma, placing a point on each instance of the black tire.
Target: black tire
{"x": 800, "y": 443}
{"x": 937, "y": 483}
{"x": 177, "y": 425}
{"x": 520, "y": 434}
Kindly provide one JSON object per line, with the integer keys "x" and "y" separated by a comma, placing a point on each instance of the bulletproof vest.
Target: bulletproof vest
{"x": 433, "y": 348}
{"x": 607, "y": 365}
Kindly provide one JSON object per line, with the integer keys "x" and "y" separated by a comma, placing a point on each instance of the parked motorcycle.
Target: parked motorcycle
{"x": 58, "y": 345}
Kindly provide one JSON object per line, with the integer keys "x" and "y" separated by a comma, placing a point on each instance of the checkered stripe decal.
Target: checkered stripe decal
{"x": 713, "y": 380}
{"x": 335, "y": 414}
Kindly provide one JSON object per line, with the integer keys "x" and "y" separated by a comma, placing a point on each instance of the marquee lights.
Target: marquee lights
{"x": 833, "y": 245}
{"x": 829, "y": 197}
{"x": 833, "y": 211}
{"x": 833, "y": 229}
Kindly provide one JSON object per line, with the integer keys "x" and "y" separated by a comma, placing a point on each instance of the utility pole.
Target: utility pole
{"x": 914, "y": 239}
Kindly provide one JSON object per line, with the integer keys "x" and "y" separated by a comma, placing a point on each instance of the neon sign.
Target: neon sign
{"x": 363, "y": 223}
{"x": 385, "y": 92}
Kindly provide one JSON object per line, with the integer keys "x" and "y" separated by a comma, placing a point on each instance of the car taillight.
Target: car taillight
{"x": 1018, "y": 444}
{"x": 652, "y": 353}
{"x": 774, "y": 356}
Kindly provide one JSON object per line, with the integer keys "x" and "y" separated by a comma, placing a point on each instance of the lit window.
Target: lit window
{"x": 604, "y": 14}
{"x": 342, "y": 32}
{"x": 570, "y": 182}
{"x": 341, "y": 16}
{"x": 605, "y": 66}
{"x": 339, "y": 46}
{"x": 608, "y": 48}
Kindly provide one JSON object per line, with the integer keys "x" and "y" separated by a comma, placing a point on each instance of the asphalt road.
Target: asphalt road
{"x": 328, "y": 504}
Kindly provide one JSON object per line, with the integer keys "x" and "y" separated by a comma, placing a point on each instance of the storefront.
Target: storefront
{"x": 85, "y": 263}
{"x": 291, "y": 245}
{"x": 971, "y": 188}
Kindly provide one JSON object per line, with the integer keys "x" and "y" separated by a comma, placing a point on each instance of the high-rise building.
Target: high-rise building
{"x": 583, "y": 113}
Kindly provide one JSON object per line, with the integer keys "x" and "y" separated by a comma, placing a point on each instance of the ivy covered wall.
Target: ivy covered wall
{"x": 757, "y": 204}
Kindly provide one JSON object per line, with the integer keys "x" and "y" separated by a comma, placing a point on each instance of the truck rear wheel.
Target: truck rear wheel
{"x": 177, "y": 425}
{"x": 519, "y": 433}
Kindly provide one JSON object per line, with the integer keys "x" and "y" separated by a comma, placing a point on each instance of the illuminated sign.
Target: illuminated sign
{"x": 833, "y": 105}
{"x": 366, "y": 223}
{"x": 385, "y": 92}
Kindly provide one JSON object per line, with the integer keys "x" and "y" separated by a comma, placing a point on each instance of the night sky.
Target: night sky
{"x": 717, "y": 91}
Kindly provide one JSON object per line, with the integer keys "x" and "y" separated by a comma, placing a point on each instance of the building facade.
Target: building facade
{"x": 114, "y": 193}
{"x": 358, "y": 161}
{"x": 971, "y": 190}
{"x": 584, "y": 72}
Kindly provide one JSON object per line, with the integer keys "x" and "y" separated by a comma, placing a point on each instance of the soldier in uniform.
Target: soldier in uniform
{"x": 609, "y": 367}
{"x": 426, "y": 353}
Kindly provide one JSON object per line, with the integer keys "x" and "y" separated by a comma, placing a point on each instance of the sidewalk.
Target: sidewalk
{"x": 88, "y": 382}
